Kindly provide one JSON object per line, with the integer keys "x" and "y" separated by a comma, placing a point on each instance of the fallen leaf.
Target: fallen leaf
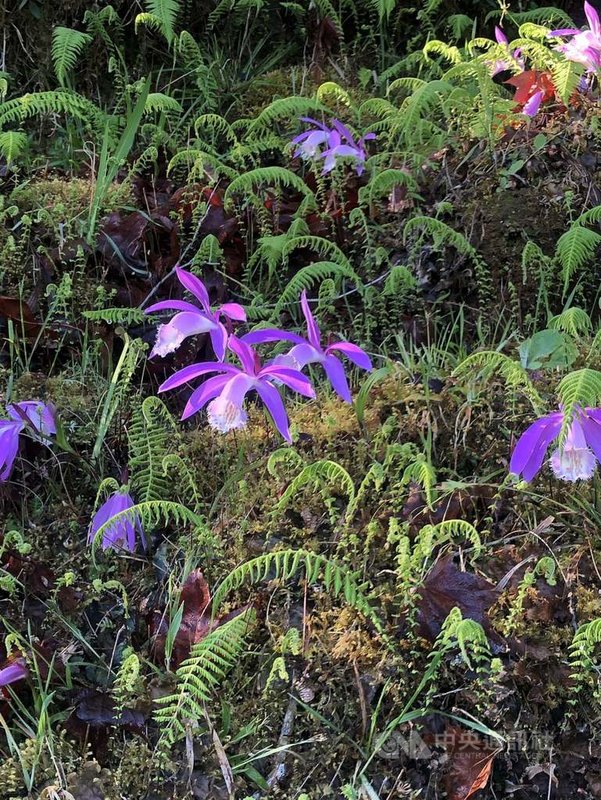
{"x": 529, "y": 82}
{"x": 19, "y": 312}
{"x": 470, "y": 762}
{"x": 445, "y": 587}
{"x": 195, "y": 624}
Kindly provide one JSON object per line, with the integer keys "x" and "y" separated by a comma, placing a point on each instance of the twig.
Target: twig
{"x": 278, "y": 773}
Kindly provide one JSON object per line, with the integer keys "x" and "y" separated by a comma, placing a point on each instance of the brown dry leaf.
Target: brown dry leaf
{"x": 196, "y": 620}
{"x": 19, "y": 312}
{"x": 445, "y": 587}
{"x": 470, "y": 763}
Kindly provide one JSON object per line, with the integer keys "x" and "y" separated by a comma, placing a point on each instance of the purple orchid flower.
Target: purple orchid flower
{"x": 122, "y": 534}
{"x": 226, "y": 392}
{"x": 577, "y": 459}
{"x": 13, "y": 672}
{"x": 310, "y": 141}
{"x": 502, "y": 64}
{"x": 339, "y": 140}
{"x": 585, "y": 46}
{"x": 193, "y": 320}
{"x": 31, "y": 414}
{"x": 341, "y": 143}
{"x": 310, "y": 351}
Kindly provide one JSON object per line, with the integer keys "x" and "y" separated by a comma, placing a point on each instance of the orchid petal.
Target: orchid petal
{"x": 180, "y": 327}
{"x": 264, "y": 335}
{"x": 219, "y": 337}
{"x": 177, "y": 305}
{"x": 335, "y": 372}
{"x": 195, "y": 371}
{"x": 530, "y": 450}
{"x": 245, "y": 353}
{"x": 564, "y": 32}
{"x": 500, "y": 36}
{"x": 329, "y": 162}
{"x": 195, "y": 286}
{"x": 313, "y": 332}
{"x": 35, "y": 413}
{"x": 531, "y": 108}
{"x": 316, "y": 122}
{"x": 303, "y": 354}
{"x": 290, "y": 377}
{"x": 354, "y": 353}
{"x": 342, "y": 150}
{"x": 13, "y": 672}
{"x": 592, "y": 433}
{"x": 344, "y": 131}
{"x": 275, "y": 406}
{"x": 226, "y": 412}
{"x": 593, "y": 18}
{"x": 233, "y": 311}
{"x": 121, "y": 534}
{"x": 9, "y": 446}
{"x": 201, "y": 396}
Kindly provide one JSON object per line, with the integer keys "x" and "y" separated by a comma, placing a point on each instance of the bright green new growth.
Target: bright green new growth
{"x": 200, "y": 675}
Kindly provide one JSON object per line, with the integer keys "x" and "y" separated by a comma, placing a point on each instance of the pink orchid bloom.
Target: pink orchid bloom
{"x": 193, "y": 320}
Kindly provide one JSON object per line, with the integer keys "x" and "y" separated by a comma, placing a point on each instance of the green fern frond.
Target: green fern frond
{"x": 67, "y": 46}
{"x": 566, "y": 77}
{"x": 383, "y": 183}
{"x": 583, "y": 659}
{"x": 575, "y": 249}
{"x": 161, "y": 16}
{"x": 308, "y": 276}
{"x": 216, "y": 124}
{"x": 590, "y": 217}
{"x": 468, "y": 635}
{"x": 486, "y": 363}
{"x": 284, "y": 565}
{"x": 176, "y": 470}
{"x": 151, "y": 514}
{"x": 446, "y": 51}
{"x": 333, "y": 90}
{"x": 321, "y": 474}
{"x": 533, "y": 30}
{"x": 399, "y": 282}
{"x": 431, "y": 536}
{"x": 117, "y": 316}
{"x": 264, "y": 176}
{"x": 577, "y": 390}
{"x": 150, "y": 436}
{"x": 574, "y": 321}
{"x": 551, "y": 16}
{"x": 118, "y": 386}
{"x": 420, "y": 471}
{"x": 53, "y": 102}
{"x": 377, "y": 107}
{"x": 4, "y": 76}
{"x": 326, "y": 249}
{"x": 383, "y": 8}
{"x": 12, "y": 145}
{"x": 441, "y": 233}
{"x": 200, "y": 675}
{"x": 286, "y": 109}
{"x": 159, "y": 103}
{"x": 286, "y": 456}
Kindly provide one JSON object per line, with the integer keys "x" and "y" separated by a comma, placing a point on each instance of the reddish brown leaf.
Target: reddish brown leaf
{"x": 196, "y": 620}
{"x": 529, "y": 82}
{"x": 18, "y": 311}
{"x": 445, "y": 587}
{"x": 470, "y": 763}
